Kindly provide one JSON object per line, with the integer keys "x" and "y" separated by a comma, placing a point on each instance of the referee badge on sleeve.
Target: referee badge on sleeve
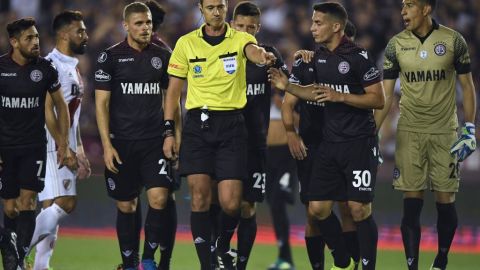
{"x": 230, "y": 64}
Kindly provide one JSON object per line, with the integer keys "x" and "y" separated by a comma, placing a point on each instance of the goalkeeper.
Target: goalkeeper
{"x": 428, "y": 58}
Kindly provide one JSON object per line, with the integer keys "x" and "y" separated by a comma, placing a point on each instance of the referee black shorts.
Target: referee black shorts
{"x": 217, "y": 146}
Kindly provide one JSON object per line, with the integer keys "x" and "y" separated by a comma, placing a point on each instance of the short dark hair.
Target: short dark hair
{"x": 350, "y": 29}
{"x": 246, "y": 8}
{"x": 65, "y": 18}
{"x": 201, "y": 2}
{"x": 334, "y": 9}
{"x": 135, "y": 7}
{"x": 158, "y": 13}
{"x": 16, "y": 28}
{"x": 432, "y": 3}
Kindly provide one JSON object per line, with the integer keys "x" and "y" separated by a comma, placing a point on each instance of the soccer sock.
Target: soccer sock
{"x": 247, "y": 230}
{"x": 169, "y": 237}
{"x": 281, "y": 226}
{"x": 47, "y": 222}
{"x": 411, "y": 231}
{"x": 138, "y": 223}
{"x": 332, "y": 235}
{"x": 155, "y": 228}
{"x": 9, "y": 223}
{"x": 353, "y": 248}
{"x": 45, "y": 251}
{"x": 126, "y": 230}
{"x": 227, "y": 229}
{"x": 447, "y": 222}
{"x": 315, "y": 249}
{"x": 25, "y": 229}
{"x": 214, "y": 214}
{"x": 368, "y": 239}
{"x": 201, "y": 232}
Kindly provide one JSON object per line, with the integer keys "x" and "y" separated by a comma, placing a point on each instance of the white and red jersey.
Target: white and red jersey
{"x": 72, "y": 87}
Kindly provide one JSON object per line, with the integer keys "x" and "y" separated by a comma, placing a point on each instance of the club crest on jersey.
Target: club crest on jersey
{"x": 156, "y": 62}
{"x": 423, "y": 54}
{"x": 102, "y": 57}
{"x": 36, "y": 75}
{"x": 440, "y": 49}
{"x": 230, "y": 64}
{"x": 67, "y": 184}
{"x": 344, "y": 67}
{"x": 396, "y": 173}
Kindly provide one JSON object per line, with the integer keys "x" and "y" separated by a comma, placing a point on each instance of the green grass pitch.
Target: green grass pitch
{"x": 81, "y": 253}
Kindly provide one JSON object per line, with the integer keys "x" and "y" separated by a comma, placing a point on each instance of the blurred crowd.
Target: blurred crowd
{"x": 285, "y": 24}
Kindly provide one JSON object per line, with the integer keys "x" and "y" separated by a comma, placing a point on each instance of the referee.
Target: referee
{"x": 212, "y": 59}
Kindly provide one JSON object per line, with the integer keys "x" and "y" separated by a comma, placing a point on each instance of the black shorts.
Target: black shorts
{"x": 219, "y": 150}
{"x": 143, "y": 165}
{"x": 281, "y": 174}
{"x": 22, "y": 168}
{"x": 304, "y": 171}
{"x": 345, "y": 171}
{"x": 254, "y": 186}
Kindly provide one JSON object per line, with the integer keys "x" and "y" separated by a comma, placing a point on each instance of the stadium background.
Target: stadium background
{"x": 285, "y": 24}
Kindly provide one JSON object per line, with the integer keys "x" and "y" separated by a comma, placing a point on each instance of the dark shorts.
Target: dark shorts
{"x": 22, "y": 168}
{"x": 219, "y": 150}
{"x": 345, "y": 171}
{"x": 281, "y": 174}
{"x": 254, "y": 186}
{"x": 304, "y": 172}
{"x": 143, "y": 165}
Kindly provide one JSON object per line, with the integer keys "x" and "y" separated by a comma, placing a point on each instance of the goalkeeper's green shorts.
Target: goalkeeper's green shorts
{"x": 424, "y": 161}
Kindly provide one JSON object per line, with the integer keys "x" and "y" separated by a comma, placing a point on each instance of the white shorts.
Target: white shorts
{"x": 58, "y": 182}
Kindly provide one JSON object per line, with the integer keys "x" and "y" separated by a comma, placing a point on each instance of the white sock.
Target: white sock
{"x": 46, "y": 223}
{"x": 45, "y": 251}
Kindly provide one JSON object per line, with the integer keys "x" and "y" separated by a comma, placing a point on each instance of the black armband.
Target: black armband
{"x": 168, "y": 128}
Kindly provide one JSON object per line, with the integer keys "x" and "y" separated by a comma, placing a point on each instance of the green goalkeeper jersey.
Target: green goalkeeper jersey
{"x": 427, "y": 68}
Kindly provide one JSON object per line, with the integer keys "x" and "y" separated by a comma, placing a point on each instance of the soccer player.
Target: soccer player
{"x": 59, "y": 195}
{"x": 246, "y": 18}
{"x": 158, "y": 14}
{"x": 25, "y": 80}
{"x": 214, "y": 140}
{"x": 345, "y": 164}
{"x": 428, "y": 58}
{"x": 129, "y": 81}
{"x": 304, "y": 144}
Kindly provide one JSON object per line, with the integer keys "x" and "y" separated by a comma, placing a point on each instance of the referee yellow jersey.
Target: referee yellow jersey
{"x": 216, "y": 74}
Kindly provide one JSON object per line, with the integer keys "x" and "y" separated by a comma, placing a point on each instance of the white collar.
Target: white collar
{"x": 65, "y": 58}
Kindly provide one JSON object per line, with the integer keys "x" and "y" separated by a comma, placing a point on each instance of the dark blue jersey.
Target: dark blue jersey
{"x": 311, "y": 113}
{"x": 257, "y": 110}
{"x": 136, "y": 81}
{"x": 348, "y": 69}
{"x": 23, "y": 90}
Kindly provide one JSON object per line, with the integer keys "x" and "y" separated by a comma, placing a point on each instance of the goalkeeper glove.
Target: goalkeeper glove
{"x": 466, "y": 144}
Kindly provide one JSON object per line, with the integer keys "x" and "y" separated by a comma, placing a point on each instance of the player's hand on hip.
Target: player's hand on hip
{"x": 306, "y": 55}
{"x": 325, "y": 93}
{"x": 70, "y": 160}
{"x": 297, "y": 148}
{"x": 466, "y": 143}
{"x": 170, "y": 148}
{"x": 278, "y": 79}
{"x": 84, "y": 170}
{"x": 109, "y": 156}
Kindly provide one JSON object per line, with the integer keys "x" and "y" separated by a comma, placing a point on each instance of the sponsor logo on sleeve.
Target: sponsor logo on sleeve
{"x": 36, "y": 75}
{"x": 102, "y": 57}
{"x": 102, "y": 76}
{"x": 371, "y": 74}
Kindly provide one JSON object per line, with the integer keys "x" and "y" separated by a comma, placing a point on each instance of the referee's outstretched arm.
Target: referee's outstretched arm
{"x": 258, "y": 55}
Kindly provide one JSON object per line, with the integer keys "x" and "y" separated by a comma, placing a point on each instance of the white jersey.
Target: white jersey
{"x": 72, "y": 87}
